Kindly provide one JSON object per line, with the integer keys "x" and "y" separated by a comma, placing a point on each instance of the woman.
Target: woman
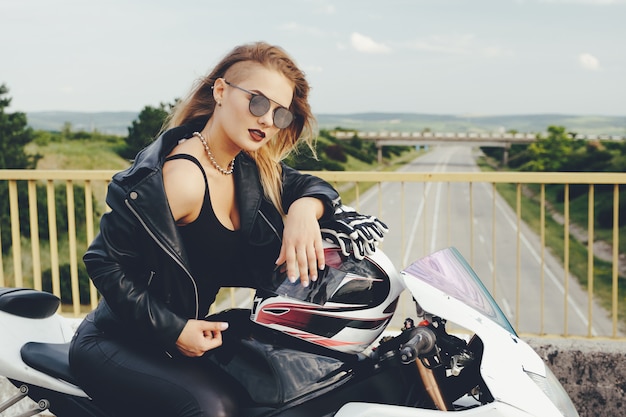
{"x": 207, "y": 205}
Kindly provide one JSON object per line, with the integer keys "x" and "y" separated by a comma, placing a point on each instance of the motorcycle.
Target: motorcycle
{"x": 324, "y": 350}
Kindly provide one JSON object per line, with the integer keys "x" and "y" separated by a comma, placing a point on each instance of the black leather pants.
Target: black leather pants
{"x": 129, "y": 379}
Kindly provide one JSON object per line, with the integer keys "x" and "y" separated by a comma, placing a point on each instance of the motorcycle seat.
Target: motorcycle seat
{"x": 49, "y": 358}
{"x": 28, "y": 303}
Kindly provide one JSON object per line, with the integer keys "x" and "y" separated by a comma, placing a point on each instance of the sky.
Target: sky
{"x": 458, "y": 57}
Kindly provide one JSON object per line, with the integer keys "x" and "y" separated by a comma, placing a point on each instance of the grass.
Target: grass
{"x": 78, "y": 154}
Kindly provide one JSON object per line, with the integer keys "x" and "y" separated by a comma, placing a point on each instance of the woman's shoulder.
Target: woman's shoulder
{"x": 185, "y": 187}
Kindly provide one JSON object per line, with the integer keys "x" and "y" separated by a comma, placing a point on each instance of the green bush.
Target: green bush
{"x": 60, "y": 196}
{"x": 604, "y": 210}
{"x": 336, "y": 153}
{"x": 66, "y": 283}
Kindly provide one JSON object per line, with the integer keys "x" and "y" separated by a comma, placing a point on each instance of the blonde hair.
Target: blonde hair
{"x": 199, "y": 105}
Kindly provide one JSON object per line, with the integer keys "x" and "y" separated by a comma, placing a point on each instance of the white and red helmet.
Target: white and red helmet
{"x": 346, "y": 309}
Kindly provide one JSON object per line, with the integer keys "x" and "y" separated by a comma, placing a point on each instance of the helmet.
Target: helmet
{"x": 346, "y": 309}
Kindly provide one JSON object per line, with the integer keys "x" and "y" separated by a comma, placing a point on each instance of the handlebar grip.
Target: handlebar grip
{"x": 422, "y": 341}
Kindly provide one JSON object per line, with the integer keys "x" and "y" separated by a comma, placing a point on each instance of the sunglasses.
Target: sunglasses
{"x": 260, "y": 105}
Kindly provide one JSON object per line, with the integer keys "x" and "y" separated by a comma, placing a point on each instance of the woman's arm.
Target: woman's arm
{"x": 297, "y": 185}
{"x": 306, "y": 199}
{"x": 302, "y": 247}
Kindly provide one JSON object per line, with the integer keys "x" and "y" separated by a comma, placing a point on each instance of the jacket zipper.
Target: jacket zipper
{"x": 152, "y": 273}
{"x": 168, "y": 252}
{"x": 270, "y": 225}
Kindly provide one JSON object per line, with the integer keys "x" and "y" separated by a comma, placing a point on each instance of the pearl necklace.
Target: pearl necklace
{"x": 231, "y": 165}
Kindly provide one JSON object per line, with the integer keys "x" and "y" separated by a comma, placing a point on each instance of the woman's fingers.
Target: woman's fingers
{"x": 199, "y": 336}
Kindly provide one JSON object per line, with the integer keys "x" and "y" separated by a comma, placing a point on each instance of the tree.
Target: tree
{"x": 66, "y": 130}
{"x": 551, "y": 153}
{"x": 14, "y": 136}
{"x": 144, "y": 130}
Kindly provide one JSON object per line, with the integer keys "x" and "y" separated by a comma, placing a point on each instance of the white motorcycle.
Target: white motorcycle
{"x": 318, "y": 351}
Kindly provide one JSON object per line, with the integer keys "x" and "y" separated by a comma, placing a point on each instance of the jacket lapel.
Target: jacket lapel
{"x": 248, "y": 191}
{"x": 146, "y": 192}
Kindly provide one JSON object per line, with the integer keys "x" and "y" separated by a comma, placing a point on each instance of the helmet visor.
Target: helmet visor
{"x": 317, "y": 292}
{"x": 344, "y": 280}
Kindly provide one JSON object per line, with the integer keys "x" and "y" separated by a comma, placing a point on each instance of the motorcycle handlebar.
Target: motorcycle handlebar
{"x": 422, "y": 341}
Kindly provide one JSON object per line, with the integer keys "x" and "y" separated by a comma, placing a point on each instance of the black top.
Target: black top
{"x": 212, "y": 248}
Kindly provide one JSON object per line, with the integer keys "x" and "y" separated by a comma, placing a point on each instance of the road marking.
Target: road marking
{"x": 434, "y": 233}
{"x": 438, "y": 168}
{"x": 409, "y": 244}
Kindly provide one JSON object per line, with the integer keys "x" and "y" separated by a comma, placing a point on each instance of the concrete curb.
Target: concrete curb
{"x": 593, "y": 372}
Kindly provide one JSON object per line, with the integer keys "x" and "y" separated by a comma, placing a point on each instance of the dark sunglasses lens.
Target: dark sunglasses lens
{"x": 282, "y": 117}
{"x": 259, "y": 105}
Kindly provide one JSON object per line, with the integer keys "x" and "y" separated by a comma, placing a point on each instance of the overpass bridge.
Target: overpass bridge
{"x": 502, "y": 140}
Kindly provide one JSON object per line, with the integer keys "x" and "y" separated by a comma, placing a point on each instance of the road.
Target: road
{"x": 425, "y": 217}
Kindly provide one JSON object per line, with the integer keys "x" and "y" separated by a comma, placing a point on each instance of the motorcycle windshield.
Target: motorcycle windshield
{"x": 449, "y": 272}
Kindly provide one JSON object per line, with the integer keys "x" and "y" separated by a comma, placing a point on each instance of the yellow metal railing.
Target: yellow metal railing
{"x": 22, "y": 264}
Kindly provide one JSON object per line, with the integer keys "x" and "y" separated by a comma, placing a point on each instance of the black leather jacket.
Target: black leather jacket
{"x": 138, "y": 262}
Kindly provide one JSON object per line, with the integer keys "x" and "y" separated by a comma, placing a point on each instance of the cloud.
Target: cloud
{"x": 366, "y": 44}
{"x": 465, "y": 44}
{"x": 496, "y": 51}
{"x": 326, "y": 9}
{"x": 66, "y": 89}
{"x": 322, "y": 7}
{"x": 589, "y": 62}
{"x": 313, "y": 68}
{"x": 298, "y": 28}
{"x": 457, "y": 45}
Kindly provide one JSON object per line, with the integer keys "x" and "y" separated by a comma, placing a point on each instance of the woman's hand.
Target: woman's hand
{"x": 302, "y": 249}
{"x": 199, "y": 336}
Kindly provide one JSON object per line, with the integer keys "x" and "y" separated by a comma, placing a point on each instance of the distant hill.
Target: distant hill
{"x": 118, "y": 122}
{"x": 114, "y": 123}
{"x": 411, "y": 122}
